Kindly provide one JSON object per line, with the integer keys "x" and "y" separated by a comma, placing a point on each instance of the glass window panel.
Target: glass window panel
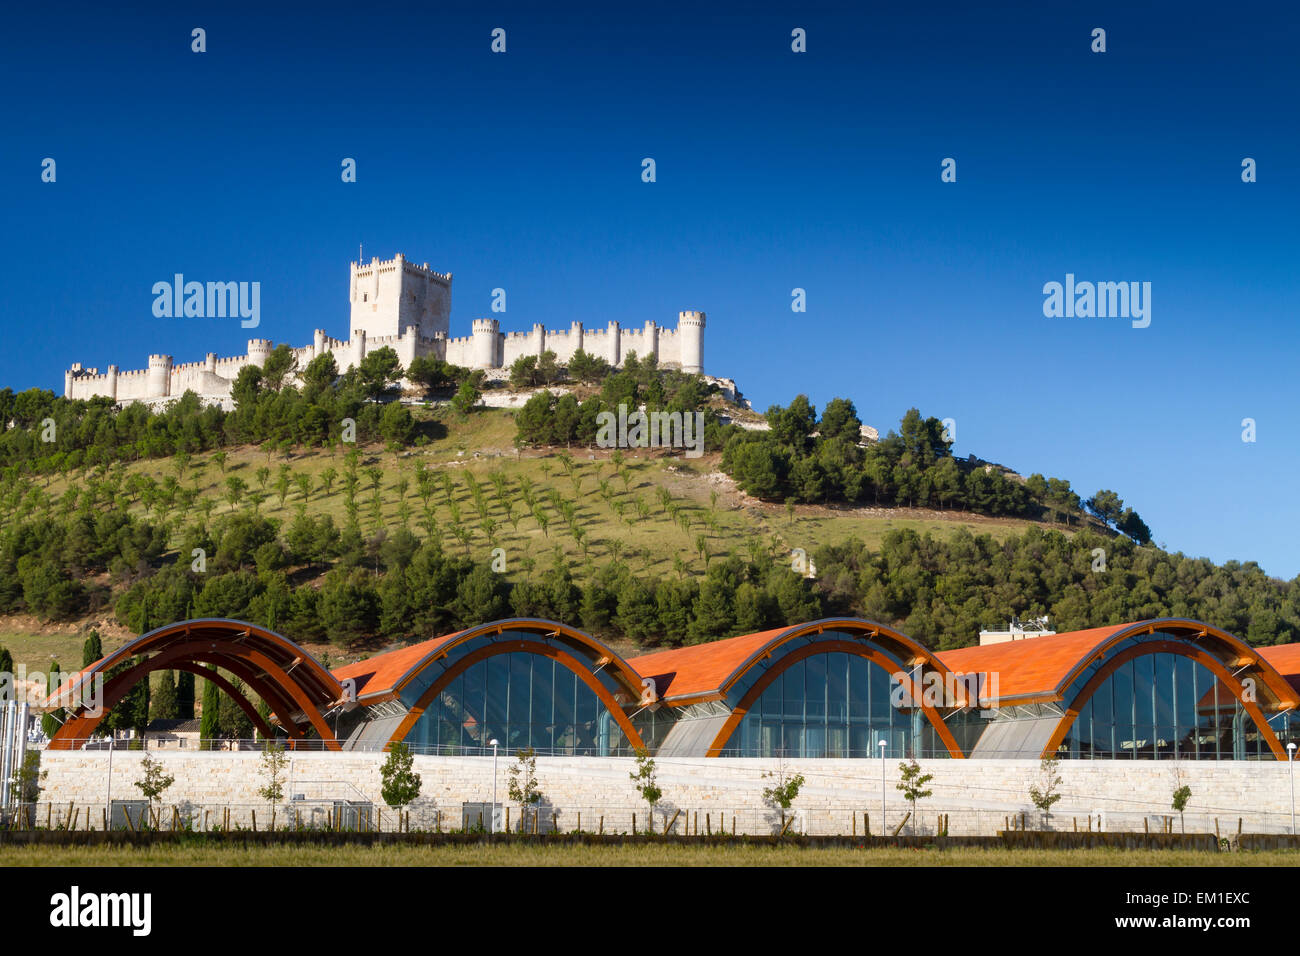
{"x": 837, "y": 688}
{"x": 815, "y": 687}
{"x": 794, "y": 692}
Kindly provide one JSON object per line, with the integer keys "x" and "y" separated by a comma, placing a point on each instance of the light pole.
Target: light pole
{"x": 882, "y": 786}
{"x": 1290, "y": 759}
{"x": 492, "y": 824}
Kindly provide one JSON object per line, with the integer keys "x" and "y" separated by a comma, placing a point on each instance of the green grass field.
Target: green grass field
{"x": 630, "y": 855}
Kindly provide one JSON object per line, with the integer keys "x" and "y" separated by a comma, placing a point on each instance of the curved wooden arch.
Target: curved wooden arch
{"x": 218, "y": 641}
{"x": 82, "y": 726}
{"x": 912, "y": 651}
{"x": 1238, "y": 651}
{"x": 207, "y": 652}
{"x": 510, "y": 647}
{"x": 268, "y": 690}
{"x": 628, "y": 677}
{"x": 1199, "y": 655}
{"x": 314, "y": 677}
{"x": 828, "y": 647}
{"x": 267, "y": 681}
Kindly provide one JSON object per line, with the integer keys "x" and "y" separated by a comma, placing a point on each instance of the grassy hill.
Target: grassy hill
{"x": 662, "y": 514}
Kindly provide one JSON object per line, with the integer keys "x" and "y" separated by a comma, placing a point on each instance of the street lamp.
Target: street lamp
{"x": 1290, "y": 759}
{"x": 882, "y": 786}
{"x": 492, "y": 816}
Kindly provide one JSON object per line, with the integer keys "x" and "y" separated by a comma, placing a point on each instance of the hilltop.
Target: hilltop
{"x": 445, "y": 513}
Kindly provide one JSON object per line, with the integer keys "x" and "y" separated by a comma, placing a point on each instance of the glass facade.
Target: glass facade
{"x": 1161, "y": 706}
{"x": 832, "y": 705}
{"x": 522, "y": 700}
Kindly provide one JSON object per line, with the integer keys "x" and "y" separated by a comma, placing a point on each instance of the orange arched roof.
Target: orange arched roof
{"x": 384, "y": 675}
{"x": 1285, "y": 659}
{"x": 699, "y": 668}
{"x": 1042, "y": 668}
{"x": 706, "y": 671}
{"x": 378, "y": 675}
{"x": 1033, "y": 666}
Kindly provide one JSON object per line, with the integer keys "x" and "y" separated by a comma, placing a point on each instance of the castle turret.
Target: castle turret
{"x": 111, "y": 382}
{"x": 68, "y": 376}
{"x": 485, "y": 343}
{"x": 159, "y": 377}
{"x": 651, "y": 338}
{"x": 575, "y": 335}
{"x": 259, "y": 350}
{"x": 539, "y": 338}
{"x": 358, "y": 346}
{"x": 690, "y": 331}
{"x": 318, "y": 343}
{"x": 210, "y": 363}
{"x": 615, "y": 354}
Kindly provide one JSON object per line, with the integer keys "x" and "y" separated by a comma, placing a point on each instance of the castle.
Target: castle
{"x": 405, "y": 307}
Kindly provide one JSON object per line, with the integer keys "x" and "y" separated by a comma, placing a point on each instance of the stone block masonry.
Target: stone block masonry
{"x": 979, "y": 796}
{"x": 406, "y": 307}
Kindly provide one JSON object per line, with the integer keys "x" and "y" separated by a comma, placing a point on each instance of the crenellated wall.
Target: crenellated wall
{"x": 399, "y": 305}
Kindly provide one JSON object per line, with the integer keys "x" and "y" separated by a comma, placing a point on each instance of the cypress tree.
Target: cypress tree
{"x": 6, "y": 661}
{"x": 185, "y": 695}
{"x": 208, "y": 719}
{"x": 92, "y": 650}
{"x": 165, "y": 705}
{"x": 50, "y": 723}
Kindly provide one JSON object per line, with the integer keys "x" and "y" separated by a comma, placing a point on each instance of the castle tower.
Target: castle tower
{"x": 210, "y": 363}
{"x": 358, "y": 346}
{"x": 318, "y": 343}
{"x": 393, "y": 296}
{"x": 575, "y": 336}
{"x": 158, "y": 380}
{"x": 615, "y": 355}
{"x": 68, "y": 376}
{"x": 485, "y": 343}
{"x": 259, "y": 350}
{"x": 651, "y": 339}
{"x": 111, "y": 382}
{"x": 690, "y": 331}
{"x": 539, "y": 338}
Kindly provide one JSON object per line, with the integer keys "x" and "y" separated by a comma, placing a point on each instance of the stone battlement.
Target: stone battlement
{"x": 406, "y": 307}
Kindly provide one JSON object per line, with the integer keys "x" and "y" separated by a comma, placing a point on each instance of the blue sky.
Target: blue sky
{"x": 776, "y": 170}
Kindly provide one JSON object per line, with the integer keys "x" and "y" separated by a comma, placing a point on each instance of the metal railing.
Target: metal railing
{"x": 667, "y": 818}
